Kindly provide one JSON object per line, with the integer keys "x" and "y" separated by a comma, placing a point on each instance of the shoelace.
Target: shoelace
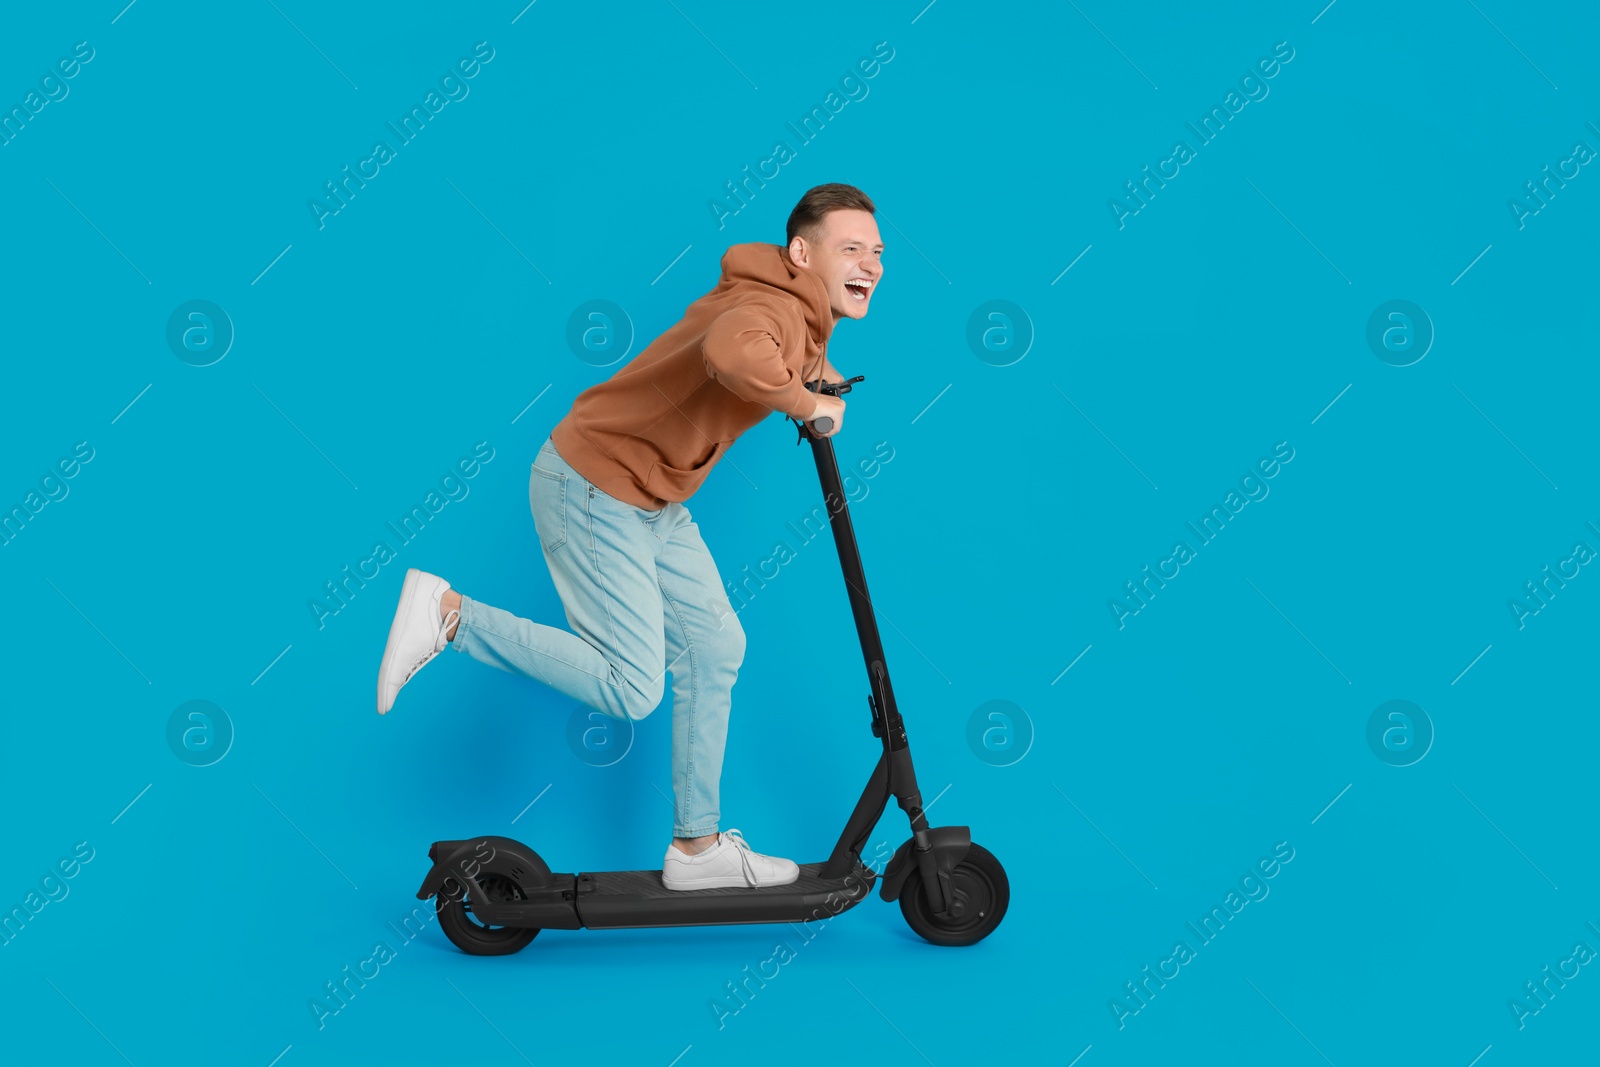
{"x": 736, "y": 839}
{"x": 439, "y": 642}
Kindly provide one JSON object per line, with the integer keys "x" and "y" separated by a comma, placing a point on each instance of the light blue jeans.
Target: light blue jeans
{"x": 643, "y": 598}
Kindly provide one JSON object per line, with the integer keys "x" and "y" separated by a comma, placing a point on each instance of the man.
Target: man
{"x": 639, "y": 587}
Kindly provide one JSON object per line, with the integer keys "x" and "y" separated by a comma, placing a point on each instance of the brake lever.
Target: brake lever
{"x": 839, "y": 388}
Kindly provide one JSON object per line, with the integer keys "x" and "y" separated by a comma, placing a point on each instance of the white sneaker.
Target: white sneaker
{"x": 416, "y": 635}
{"x": 727, "y": 863}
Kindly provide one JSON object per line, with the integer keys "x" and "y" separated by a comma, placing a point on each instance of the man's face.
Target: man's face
{"x": 847, "y": 257}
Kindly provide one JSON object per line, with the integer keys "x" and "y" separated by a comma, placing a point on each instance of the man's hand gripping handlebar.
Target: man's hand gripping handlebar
{"x": 827, "y": 418}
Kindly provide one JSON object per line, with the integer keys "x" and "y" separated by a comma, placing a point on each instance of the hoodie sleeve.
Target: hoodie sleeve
{"x": 743, "y": 352}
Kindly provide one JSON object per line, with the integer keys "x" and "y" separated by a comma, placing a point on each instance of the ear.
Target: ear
{"x": 799, "y": 252}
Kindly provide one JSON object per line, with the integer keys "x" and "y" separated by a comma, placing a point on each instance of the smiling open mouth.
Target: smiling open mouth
{"x": 858, "y": 288}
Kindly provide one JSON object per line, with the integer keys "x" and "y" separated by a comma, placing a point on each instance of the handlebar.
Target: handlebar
{"x": 822, "y": 426}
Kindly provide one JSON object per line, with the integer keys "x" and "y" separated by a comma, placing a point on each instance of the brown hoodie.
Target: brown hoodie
{"x": 652, "y": 432}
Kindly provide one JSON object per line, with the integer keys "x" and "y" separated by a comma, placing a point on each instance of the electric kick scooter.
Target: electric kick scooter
{"x": 493, "y": 895}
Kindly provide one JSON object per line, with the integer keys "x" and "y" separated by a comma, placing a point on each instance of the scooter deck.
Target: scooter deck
{"x": 618, "y": 899}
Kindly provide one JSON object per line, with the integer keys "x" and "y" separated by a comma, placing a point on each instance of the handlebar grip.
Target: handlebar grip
{"x": 823, "y": 425}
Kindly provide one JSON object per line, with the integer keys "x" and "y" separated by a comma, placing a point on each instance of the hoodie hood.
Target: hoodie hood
{"x": 769, "y": 265}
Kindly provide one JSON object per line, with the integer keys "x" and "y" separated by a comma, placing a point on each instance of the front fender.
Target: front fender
{"x": 949, "y": 844}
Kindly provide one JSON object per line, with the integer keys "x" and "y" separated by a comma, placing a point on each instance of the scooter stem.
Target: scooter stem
{"x": 894, "y": 774}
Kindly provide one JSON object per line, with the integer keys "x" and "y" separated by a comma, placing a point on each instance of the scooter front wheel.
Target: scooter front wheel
{"x": 980, "y": 885}
{"x": 463, "y": 928}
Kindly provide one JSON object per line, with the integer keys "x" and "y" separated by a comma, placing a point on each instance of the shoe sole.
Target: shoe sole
{"x": 726, "y": 881}
{"x": 409, "y": 590}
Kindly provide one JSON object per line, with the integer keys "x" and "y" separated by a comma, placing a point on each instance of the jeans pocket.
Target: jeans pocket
{"x": 547, "y": 499}
{"x": 651, "y": 520}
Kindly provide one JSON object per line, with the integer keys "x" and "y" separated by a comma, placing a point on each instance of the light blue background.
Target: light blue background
{"x": 425, "y": 317}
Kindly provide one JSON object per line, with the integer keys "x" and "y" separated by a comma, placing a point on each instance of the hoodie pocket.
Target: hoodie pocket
{"x": 673, "y": 483}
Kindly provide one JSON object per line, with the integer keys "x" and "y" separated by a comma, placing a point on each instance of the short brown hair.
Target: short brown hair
{"x": 806, "y": 218}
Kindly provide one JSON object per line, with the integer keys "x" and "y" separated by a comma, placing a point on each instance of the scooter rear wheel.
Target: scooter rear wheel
{"x": 981, "y": 881}
{"x": 466, "y": 932}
